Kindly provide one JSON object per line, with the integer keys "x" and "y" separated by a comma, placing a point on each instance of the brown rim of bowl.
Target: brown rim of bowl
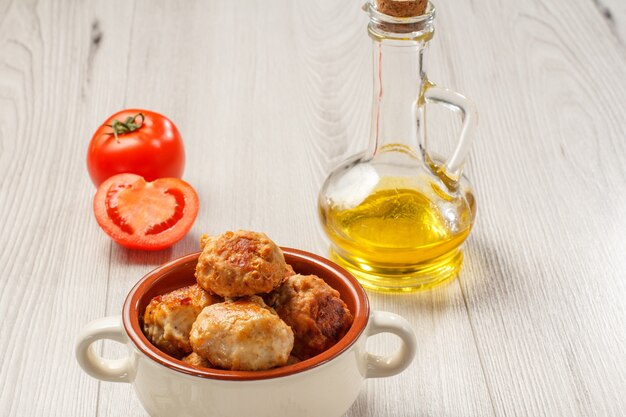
{"x": 350, "y": 288}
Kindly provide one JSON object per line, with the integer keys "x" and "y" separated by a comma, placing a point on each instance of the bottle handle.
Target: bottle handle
{"x": 458, "y": 103}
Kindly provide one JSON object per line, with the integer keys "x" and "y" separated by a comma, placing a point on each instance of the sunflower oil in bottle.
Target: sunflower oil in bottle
{"x": 395, "y": 215}
{"x": 400, "y": 236}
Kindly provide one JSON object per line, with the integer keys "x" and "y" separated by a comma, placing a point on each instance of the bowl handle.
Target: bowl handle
{"x": 115, "y": 370}
{"x": 383, "y": 366}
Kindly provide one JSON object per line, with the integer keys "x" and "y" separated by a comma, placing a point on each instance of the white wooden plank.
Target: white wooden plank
{"x": 270, "y": 96}
{"x": 545, "y": 265}
{"x": 614, "y": 14}
{"x": 46, "y": 292}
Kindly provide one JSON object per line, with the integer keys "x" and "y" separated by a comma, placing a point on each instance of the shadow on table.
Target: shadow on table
{"x": 188, "y": 244}
{"x": 142, "y": 257}
{"x": 485, "y": 276}
{"x": 488, "y": 276}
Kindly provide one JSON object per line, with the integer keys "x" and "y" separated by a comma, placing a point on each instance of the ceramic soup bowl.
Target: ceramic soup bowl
{"x": 325, "y": 385}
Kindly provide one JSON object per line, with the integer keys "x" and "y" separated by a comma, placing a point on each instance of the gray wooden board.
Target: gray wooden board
{"x": 269, "y": 96}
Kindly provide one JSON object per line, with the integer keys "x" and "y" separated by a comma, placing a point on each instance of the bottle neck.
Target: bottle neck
{"x": 398, "y": 49}
{"x": 397, "y": 109}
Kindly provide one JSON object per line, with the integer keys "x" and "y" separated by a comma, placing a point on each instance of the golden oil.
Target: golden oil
{"x": 397, "y": 214}
{"x": 399, "y": 238}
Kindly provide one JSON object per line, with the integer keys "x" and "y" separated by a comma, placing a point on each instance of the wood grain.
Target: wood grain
{"x": 614, "y": 14}
{"x": 548, "y": 248}
{"x": 269, "y": 96}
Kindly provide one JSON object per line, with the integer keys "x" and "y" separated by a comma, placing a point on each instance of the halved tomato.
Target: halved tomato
{"x": 145, "y": 215}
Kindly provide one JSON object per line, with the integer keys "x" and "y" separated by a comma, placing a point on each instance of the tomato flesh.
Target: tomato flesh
{"x": 145, "y": 215}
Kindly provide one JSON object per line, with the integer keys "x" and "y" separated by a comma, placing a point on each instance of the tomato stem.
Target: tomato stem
{"x": 127, "y": 126}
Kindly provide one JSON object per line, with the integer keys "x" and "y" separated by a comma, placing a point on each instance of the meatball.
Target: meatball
{"x": 289, "y": 272}
{"x": 292, "y": 360}
{"x": 314, "y": 311}
{"x": 239, "y": 264}
{"x": 242, "y": 334}
{"x": 168, "y": 318}
{"x": 196, "y": 360}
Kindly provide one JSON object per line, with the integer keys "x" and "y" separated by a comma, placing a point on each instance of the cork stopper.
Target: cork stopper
{"x": 402, "y": 8}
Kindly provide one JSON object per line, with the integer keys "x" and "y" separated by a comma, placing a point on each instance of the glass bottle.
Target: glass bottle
{"x": 396, "y": 215}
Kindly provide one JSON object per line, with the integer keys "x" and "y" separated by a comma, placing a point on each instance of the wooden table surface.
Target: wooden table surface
{"x": 269, "y": 96}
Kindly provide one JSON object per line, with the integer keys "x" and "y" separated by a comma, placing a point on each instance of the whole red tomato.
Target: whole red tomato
{"x": 136, "y": 141}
